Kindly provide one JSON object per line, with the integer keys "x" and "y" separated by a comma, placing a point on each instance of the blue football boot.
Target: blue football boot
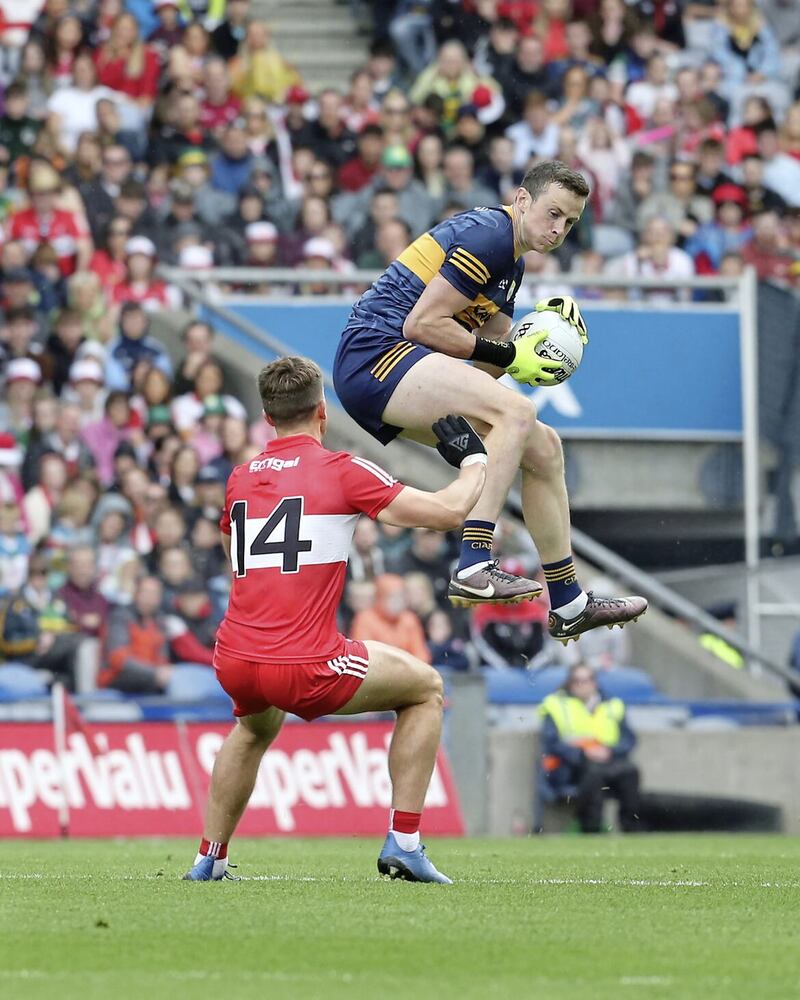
{"x": 209, "y": 869}
{"x": 411, "y": 866}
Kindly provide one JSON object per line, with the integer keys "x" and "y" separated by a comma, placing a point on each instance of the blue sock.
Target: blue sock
{"x": 476, "y": 544}
{"x": 562, "y": 582}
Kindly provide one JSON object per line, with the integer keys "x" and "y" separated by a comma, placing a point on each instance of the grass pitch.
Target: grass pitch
{"x": 594, "y": 918}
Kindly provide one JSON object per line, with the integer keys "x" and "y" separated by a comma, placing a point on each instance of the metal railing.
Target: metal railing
{"x": 196, "y": 287}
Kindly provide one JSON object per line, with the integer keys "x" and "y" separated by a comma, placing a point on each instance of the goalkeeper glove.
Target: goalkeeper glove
{"x": 567, "y": 308}
{"x": 458, "y": 441}
{"x": 530, "y": 367}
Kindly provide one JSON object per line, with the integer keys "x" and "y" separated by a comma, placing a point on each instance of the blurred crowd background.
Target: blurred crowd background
{"x": 140, "y": 133}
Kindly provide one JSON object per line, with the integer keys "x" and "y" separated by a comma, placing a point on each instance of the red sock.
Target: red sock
{"x": 404, "y": 822}
{"x": 214, "y": 849}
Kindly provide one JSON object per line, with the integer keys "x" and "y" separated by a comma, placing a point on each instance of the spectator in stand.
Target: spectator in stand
{"x": 359, "y": 108}
{"x": 767, "y": 251}
{"x": 15, "y": 549}
{"x": 209, "y": 380}
{"x": 781, "y": 170}
{"x": 137, "y": 646}
{"x": 446, "y": 649}
{"x": 429, "y": 554}
{"x": 656, "y": 256}
{"x": 259, "y": 70}
{"x": 681, "y": 204}
{"x": 125, "y": 64}
{"x": 391, "y": 240}
{"x": 395, "y": 120}
{"x": 452, "y": 79}
{"x": 18, "y": 130}
{"x": 219, "y": 107}
{"x": 73, "y": 108}
{"x": 227, "y": 37}
{"x": 64, "y": 440}
{"x": 87, "y": 609}
{"x": 495, "y": 50}
{"x": 358, "y": 171}
{"x": 104, "y": 436}
{"x": 527, "y": 74}
{"x": 86, "y": 388}
{"x": 169, "y": 31}
{"x": 711, "y": 172}
{"x": 197, "y": 341}
{"x": 609, "y": 156}
{"x": 367, "y": 561}
{"x": 586, "y": 746}
{"x": 108, "y": 260}
{"x": 329, "y": 137}
{"x": 64, "y": 229}
{"x": 390, "y": 620}
{"x": 744, "y": 45}
{"x": 63, "y": 346}
{"x": 612, "y": 29}
{"x": 99, "y": 194}
{"x": 536, "y": 135}
{"x": 185, "y": 467}
{"x": 728, "y": 233}
{"x": 42, "y": 498}
{"x": 643, "y": 96}
{"x": 412, "y": 31}
{"x": 461, "y": 188}
{"x": 191, "y": 624}
{"x": 132, "y": 345}
{"x": 140, "y": 285}
{"x": 183, "y": 131}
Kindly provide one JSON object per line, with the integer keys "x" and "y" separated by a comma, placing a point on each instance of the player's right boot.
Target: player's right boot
{"x": 410, "y": 866}
{"x": 210, "y": 869}
{"x": 490, "y": 585}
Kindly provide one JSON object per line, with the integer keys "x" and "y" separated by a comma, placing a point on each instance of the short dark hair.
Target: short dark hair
{"x": 539, "y": 178}
{"x": 290, "y": 389}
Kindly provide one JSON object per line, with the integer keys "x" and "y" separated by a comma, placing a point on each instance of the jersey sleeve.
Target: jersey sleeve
{"x": 366, "y": 486}
{"x": 478, "y": 253}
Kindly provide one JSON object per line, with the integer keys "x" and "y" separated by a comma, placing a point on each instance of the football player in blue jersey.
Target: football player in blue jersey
{"x": 449, "y": 298}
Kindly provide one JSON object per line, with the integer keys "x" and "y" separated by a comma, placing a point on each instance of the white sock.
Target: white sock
{"x": 406, "y": 841}
{"x": 574, "y": 607}
{"x": 220, "y": 864}
{"x": 462, "y": 574}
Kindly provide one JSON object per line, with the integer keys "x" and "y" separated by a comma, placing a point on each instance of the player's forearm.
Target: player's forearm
{"x": 440, "y": 333}
{"x": 458, "y": 498}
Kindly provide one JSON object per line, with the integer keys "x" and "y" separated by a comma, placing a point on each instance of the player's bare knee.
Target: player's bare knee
{"x": 435, "y": 687}
{"x": 519, "y": 416}
{"x": 543, "y": 455}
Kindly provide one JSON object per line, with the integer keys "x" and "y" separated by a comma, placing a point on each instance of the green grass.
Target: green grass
{"x": 593, "y": 918}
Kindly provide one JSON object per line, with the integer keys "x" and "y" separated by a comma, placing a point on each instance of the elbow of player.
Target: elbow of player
{"x": 450, "y": 518}
{"x": 411, "y": 328}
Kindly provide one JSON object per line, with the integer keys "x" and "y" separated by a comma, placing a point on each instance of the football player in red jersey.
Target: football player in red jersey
{"x": 287, "y": 526}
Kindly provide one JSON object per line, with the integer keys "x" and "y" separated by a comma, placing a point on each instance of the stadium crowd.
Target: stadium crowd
{"x": 175, "y": 132}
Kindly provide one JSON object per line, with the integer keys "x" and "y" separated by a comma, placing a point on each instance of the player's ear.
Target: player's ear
{"x": 322, "y": 410}
{"x": 269, "y": 419}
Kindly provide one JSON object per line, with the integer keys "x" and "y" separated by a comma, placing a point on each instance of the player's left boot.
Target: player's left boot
{"x": 608, "y": 611}
{"x": 209, "y": 869}
{"x": 410, "y": 866}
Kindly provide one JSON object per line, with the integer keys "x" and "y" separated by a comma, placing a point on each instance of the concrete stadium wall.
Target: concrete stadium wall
{"x": 750, "y": 764}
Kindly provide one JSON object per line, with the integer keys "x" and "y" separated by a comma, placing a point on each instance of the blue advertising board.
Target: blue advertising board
{"x": 647, "y": 373}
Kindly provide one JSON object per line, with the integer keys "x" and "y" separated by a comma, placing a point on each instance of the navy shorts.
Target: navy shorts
{"x": 369, "y": 362}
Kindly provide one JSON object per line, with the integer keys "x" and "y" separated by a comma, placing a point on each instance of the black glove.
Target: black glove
{"x": 458, "y": 439}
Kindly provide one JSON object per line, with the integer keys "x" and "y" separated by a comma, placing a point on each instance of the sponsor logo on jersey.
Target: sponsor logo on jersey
{"x": 277, "y": 464}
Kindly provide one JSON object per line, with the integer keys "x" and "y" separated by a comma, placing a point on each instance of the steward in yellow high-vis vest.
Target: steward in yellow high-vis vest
{"x": 586, "y": 742}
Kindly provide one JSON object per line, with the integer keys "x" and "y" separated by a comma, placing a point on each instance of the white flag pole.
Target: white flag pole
{"x": 60, "y": 741}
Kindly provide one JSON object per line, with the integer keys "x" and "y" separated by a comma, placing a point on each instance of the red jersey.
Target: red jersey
{"x": 61, "y": 230}
{"x": 290, "y": 513}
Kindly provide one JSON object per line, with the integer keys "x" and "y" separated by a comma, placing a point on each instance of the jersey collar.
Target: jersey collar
{"x": 292, "y": 441}
{"x": 517, "y": 247}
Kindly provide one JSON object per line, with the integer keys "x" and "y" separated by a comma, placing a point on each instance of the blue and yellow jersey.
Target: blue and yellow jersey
{"x": 474, "y": 251}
